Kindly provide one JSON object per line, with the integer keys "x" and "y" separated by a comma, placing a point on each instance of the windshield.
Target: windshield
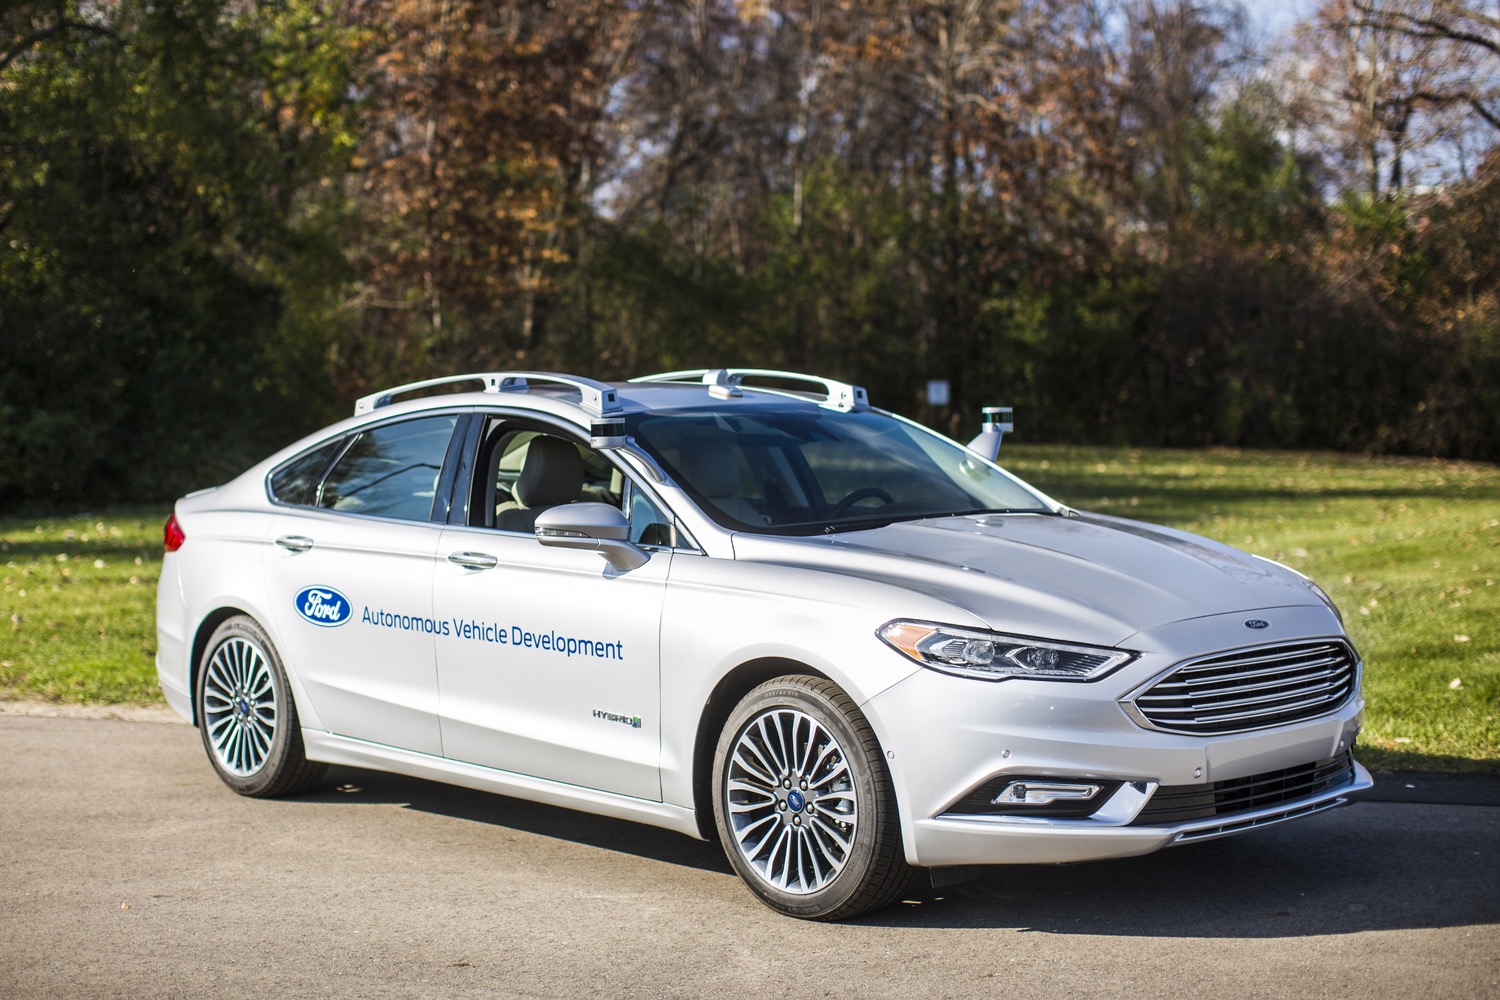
{"x": 804, "y": 470}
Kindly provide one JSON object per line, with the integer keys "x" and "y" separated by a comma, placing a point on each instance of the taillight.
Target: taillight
{"x": 171, "y": 535}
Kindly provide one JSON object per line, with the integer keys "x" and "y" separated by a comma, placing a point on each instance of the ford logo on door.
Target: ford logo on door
{"x": 323, "y": 606}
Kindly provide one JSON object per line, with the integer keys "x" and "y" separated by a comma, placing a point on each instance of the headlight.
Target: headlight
{"x": 992, "y": 656}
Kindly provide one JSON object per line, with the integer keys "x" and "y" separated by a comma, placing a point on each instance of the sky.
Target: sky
{"x": 1276, "y": 16}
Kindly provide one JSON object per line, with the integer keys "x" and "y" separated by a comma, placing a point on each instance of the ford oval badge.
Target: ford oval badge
{"x": 323, "y": 606}
{"x": 1257, "y": 623}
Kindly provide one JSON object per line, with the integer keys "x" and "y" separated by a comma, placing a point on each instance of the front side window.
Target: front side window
{"x": 390, "y": 471}
{"x": 525, "y": 469}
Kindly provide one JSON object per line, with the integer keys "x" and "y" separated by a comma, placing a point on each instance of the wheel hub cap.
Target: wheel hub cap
{"x": 790, "y": 801}
{"x": 240, "y": 706}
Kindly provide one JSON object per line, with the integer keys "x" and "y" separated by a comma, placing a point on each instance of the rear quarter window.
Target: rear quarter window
{"x": 296, "y": 482}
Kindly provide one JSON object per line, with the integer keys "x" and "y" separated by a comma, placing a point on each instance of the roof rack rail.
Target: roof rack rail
{"x": 597, "y": 398}
{"x": 727, "y": 382}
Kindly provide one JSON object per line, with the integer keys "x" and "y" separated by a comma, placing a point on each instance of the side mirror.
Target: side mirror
{"x": 597, "y": 527}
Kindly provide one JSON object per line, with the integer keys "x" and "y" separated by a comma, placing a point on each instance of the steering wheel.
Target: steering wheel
{"x": 863, "y": 493}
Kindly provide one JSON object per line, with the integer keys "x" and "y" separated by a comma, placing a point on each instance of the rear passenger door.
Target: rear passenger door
{"x": 349, "y": 564}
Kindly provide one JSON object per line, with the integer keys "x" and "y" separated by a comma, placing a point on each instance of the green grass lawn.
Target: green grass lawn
{"x": 1410, "y": 550}
{"x": 79, "y": 607}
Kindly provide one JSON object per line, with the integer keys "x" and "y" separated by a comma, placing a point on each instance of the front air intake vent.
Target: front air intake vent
{"x": 1249, "y": 689}
{"x": 1227, "y": 799}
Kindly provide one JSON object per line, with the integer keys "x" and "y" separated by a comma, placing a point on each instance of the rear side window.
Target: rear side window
{"x": 391, "y": 471}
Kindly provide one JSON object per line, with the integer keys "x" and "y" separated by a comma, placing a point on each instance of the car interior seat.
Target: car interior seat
{"x": 552, "y": 474}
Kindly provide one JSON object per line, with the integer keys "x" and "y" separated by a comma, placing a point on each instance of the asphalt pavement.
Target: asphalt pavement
{"x": 129, "y": 870}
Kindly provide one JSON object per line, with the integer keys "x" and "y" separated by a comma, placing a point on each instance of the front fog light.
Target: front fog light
{"x": 1033, "y": 797}
{"x": 1043, "y": 793}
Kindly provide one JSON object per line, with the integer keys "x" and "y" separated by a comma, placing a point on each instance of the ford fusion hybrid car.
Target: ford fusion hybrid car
{"x": 747, "y": 605}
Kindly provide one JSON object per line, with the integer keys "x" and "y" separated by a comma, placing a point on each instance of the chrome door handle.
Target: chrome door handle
{"x": 295, "y": 543}
{"x": 474, "y": 560}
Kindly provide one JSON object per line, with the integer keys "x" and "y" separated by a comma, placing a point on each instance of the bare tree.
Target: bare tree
{"x": 1469, "y": 35}
{"x": 1403, "y": 80}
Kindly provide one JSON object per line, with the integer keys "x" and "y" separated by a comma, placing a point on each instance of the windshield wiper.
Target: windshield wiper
{"x": 867, "y": 523}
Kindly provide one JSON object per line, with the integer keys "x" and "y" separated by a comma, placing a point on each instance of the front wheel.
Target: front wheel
{"x": 804, "y": 805}
{"x": 246, "y": 715}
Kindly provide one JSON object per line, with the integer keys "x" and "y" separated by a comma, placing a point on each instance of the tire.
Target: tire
{"x": 246, "y": 714}
{"x": 804, "y": 805}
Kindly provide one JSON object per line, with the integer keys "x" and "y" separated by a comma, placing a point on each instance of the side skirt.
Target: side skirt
{"x": 331, "y": 749}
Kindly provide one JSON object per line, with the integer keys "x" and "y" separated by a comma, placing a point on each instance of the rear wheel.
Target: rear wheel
{"x": 246, "y": 715}
{"x": 804, "y": 805}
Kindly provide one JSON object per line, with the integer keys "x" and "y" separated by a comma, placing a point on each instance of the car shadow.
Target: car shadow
{"x": 1375, "y": 866}
{"x": 1365, "y": 868}
{"x": 348, "y": 784}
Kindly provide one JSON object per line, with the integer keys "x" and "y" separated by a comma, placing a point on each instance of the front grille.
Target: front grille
{"x": 1186, "y": 803}
{"x": 1250, "y": 689}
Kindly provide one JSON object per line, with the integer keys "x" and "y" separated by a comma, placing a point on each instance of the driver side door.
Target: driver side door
{"x": 550, "y": 662}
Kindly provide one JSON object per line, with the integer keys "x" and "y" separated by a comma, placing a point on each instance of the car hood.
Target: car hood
{"x": 1084, "y": 578}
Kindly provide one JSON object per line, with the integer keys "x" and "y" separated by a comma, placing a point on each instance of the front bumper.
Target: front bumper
{"x": 973, "y": 840}
{"x": 952, "y": 742}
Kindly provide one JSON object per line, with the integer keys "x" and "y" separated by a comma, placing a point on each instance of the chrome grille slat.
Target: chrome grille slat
{"x": 1267, "y": 686}
{"x": 1249, "y": 689}
{"x": 1205, "y": 718}
{"x": 1216, "y": 662}
{"x": 1271, "y": 698}
{"x": 1331, "y": 661}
